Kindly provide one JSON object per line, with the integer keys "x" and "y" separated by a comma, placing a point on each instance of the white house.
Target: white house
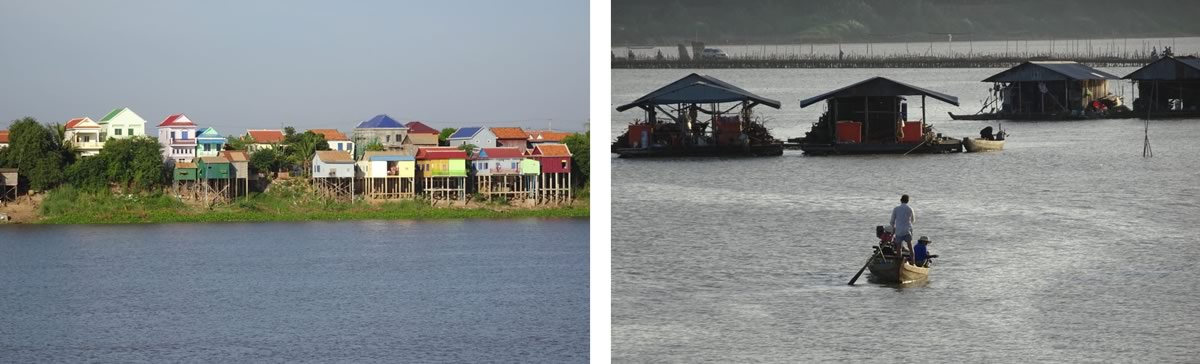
{"x": 477, "y": 136}
{"x": 177, "y": 134}
{"x": 336, "y": 140}
{"x": 121, "y": 123}
{"x": 264, "y": 139}
{"x": 332, "y": 164}
{"x": 84, "y": 134}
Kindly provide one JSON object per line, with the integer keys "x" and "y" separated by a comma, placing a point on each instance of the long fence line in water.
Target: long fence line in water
{"x": 982, "y": 61}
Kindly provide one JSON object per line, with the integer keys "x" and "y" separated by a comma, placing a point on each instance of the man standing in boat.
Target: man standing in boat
{"x": 902, "y": 219}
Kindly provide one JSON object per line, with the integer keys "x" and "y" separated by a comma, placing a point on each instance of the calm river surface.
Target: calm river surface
{"x": 1067, "y": 246}
{"x": 373, "y": 291}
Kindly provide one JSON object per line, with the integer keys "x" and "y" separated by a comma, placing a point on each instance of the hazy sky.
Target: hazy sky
{"x": 238, "y": 65}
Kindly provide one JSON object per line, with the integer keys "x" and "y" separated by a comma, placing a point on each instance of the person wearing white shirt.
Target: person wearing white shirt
{"x": 902, "y": 221}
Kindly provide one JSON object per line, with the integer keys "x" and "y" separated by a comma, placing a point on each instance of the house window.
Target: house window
{"x": 117, "y": 132}
{"x": 172, "y": 135}
{"x": 565, "y": 164}
{"x": 207, "y": 147}
{"x": 387, "y": 138}
{"x": 130, "y": 131}
{"x": 318, "y": 169}
{"x": 184, "y": 135}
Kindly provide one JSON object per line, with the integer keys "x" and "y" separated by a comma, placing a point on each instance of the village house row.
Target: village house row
{"x": 507, "y": 163}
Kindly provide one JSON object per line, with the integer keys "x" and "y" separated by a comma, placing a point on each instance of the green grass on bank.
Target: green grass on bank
{"x": 68, "y": 205}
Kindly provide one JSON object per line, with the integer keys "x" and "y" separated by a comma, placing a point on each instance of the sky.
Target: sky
{"x": 237, "y": 65}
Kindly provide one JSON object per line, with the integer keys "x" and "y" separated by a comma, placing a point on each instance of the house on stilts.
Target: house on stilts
{"x": 553, "y": 185}
{"x": 333, "y": 174}
{"x": 214, "y": 179}
{"x": 496, "y": 173}
{"x": 388, "y": 175}
{"x": 442, "y": 173}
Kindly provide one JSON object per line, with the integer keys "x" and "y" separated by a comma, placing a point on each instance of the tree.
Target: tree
{"x": 469, "y": 148}
{"x": 265, "y": 160}
{"x": 578, "y": 143}
{"x": 89, "y": 173}
{"x": 300, "y": 148}
{"x": 444, "y": 136}
{"x": 135, "y": 163}
{"x": 375, "y": 146}
{"x": 237, "y": 143}
{"x": 32, "y": 149}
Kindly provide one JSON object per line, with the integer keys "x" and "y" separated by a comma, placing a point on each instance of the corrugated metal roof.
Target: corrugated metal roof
{"x": 211, "y": 160}
{"x": 235, "y": 155}
{"x": 500, "y": 152}
{"x": 1050, "y": 71}
{"x": 700, "y": 89}
{"x": 1168, "y": 68}
{"x": 465, "y": 133}
{"x": 417, "y": 127}
{"x": 112, "y": 114}
{"x": 422, "y": 139}
{"x": 388, "y": 156}
{"x": 509, "y": 133}
{"x": 334, "y": 156}
{"x": 380, "y": 121}
{"x": 176, "y": 120}
{"x": 185, "y": 165}
{"x": 879, "y": 86}
{"x": 441, "y": 153}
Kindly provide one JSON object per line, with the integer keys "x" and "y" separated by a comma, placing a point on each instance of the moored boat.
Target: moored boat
{"x": 986, "y": 141}
{"x": 891, "y": 271}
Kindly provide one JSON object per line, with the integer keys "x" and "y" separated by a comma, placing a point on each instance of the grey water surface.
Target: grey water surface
{"x": 1068, "y": 246}
{"x": 322, "y": 292}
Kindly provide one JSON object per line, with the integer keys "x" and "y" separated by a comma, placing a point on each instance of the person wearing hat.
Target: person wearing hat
{"x": 902, "y": 220}
{"x": 921, "y": 251}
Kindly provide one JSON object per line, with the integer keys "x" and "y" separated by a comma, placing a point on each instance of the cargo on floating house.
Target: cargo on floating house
{"x": 497, "y": 173}
{"x": 214, "y": 175}
{"x": 871, "y": 117}
{"x": 480, "y": 137}
{"x": 442, "y": 173}
{"x": 554, "y": 183}
{"x": 699, "y": 121}
{"x": 380, "y": 129}
{"x": 1047, "y": 90}
{"x": 209, "y": 142}
{"x": 388, "y": 175}
{"x": 333, "y": 174}
{"x": 84, "y": 134}
{"x": 512, "y": 138}
{"x": 121, "y": 123}
{"x": 1168, "y": 87}
{"x": 177, "y": 135}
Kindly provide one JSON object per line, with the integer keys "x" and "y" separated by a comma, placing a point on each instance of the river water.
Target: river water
{"x": 1067, "y": 246}
{"x": 371, "y": 291}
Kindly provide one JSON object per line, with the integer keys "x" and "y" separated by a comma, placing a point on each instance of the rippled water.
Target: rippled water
{"x": 1066, "y": 246}
{"x": 454, "y": 291}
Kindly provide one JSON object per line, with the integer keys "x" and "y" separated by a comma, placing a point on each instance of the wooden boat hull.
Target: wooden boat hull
{"x": 973, "y": 145}
{"x": 948, "y": 145}
{"x": 766, "y": 150}
{"x": 890, "y": 272}
{"x": 1038, "y": 117}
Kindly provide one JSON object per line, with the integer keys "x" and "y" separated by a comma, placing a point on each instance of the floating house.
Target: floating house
{"x": 336, "y": 140}
{"x": 1046, "y": 90}
{"x": 9, "y": 182}
{"x": 121, "y": 123}
{"x": 84, "y": 134}
{"x": 554, "y": 183}
{"x": 3, "y": 138}
{"x": 380, "y": 129}
{"x": 496, "y": 173}
{"x": 214, "y": 178}
{"x": 177, "y": 134}
{"x": 701, "y": 116}
{"x": 1168, "y": 87}
{"x": 388, "y": 175}
{"x": 442, "y": 173}
{"x": 420, "y": 135}
{"x": 511, "y": 138}
{"x": 209, "y": 142}
{"x": 477, "y": 136}
{"x": 333, "y": 173}
{"x": 185, "y": 181}
{"x": 871, "y": 117}
{"x": 239, "y": 164}
{"x": 264, "y": 139}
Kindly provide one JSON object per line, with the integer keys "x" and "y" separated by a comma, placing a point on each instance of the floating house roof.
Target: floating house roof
{"x": 465, "y": 133}
{"x": 379, "y": 121}
{"x": 176, "y": 120}
{"x": 417, "y": 127}
{"x": 879, "y": 86}
{"x": 1050, "y": 71}
{"x": 266, "y": 136}
{"x": 500, "y": 153}
{"x": 1168, "y": 69}
{"x": 80, "y": 123}
{"x": 334, "y": 156}
{"x": 510, "y": 133}
{"x": 390, "y": 156}
{"x": 331, "y": 134}
{"x": 551, "y": 150}
{"x": 697, "y": 89}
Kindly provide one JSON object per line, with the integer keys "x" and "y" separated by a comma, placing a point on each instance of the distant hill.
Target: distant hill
{"x": 666, "y": 22}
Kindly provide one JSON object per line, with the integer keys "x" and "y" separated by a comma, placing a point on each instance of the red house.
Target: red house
{"x": 555, "y": 158}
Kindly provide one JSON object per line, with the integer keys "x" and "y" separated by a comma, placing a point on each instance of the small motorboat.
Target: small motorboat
{"x": 987, "y": 141}
{"x": 886, "y": 268}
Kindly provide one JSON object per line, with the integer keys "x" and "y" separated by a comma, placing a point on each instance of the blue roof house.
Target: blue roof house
{"x": 380, "y": 129}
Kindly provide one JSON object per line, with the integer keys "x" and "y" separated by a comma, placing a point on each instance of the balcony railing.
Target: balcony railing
{"x": 181, "y": 141}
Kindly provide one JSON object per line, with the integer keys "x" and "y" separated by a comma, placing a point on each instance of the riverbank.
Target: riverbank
{"x": 67, "y": 205}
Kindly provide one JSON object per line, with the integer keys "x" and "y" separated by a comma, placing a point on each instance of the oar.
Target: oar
{"x": 856, "y": 275}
